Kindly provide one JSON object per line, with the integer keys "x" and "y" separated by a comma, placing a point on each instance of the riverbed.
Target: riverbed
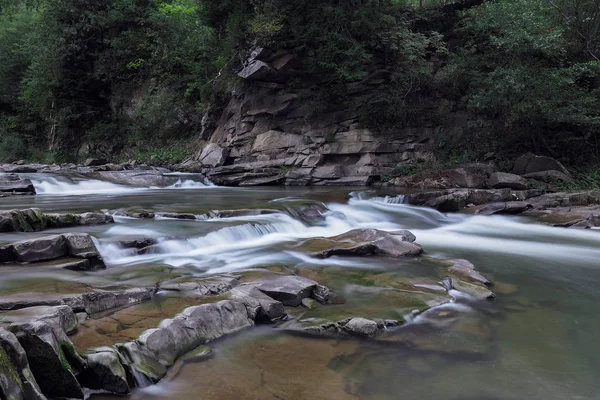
{"x": 535, "y": 340}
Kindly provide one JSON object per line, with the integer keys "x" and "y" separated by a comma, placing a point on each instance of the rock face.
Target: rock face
{"x": 53, "y": 360}
{"x": 272, "y": 134}
{"x": 77, "y": 245}
{"x": 531, "y": 163}
{"x": 16, "y": 379}
{"x": 361, "y": 242}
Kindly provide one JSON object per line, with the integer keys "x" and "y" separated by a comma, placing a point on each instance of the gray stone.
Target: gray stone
{"x": 322, "y": 294}
{"x": 288, "y": 289}
{"x": 61, "y": 317}
{"x": 478, "y": 291}
{"x": 53, "y": 360}
{"x": 257, "y": 70}
{"x": 104, "y": 371}
{"x": 16, "y": 379}
{"x": 18, "y": 186}
{"x": 138, "y": 178}
{"x": 466, "y": 270}
{"x": 549, "y": 176}
{"x": 361, "y": 327}
{"x": 362, "y": 242}
{"x": 509, "y": 207}
{"x": 40, "y": 249}
{"x": 213, "y": 155}
{"x": 259, "y": 305}
{"x": 500, "y": 180}
{"x": 143, "y": 365}
{"x": 99, "y": 301}
{"x": 530, "y": 163}
{"x": 275, "y": 141}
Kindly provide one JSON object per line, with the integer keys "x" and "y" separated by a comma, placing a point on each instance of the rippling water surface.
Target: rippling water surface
{"x": 537, "y": 340}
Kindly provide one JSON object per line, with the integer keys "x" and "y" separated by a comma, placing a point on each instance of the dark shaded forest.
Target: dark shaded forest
{"x": 141, "y": 78}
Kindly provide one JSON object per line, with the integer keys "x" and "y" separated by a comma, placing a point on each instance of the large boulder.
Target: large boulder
{"x": 41, "y": 249}
{"x": 13, "y": 184}
{"x": 361, "y": 327}
{"x": 193, "y": 327}
{"x": 53, "y": 247}
{"x": 16, "y": 379}
{"x": 508, "y": 207}
{"x": 52, "y": 357}
{"x": 501, "y": 180}
{"x": 288, "y": 289}
{"x": 530, "y": 163}
{"x": 94, "y": 162}
{"x": 362, "y": 242}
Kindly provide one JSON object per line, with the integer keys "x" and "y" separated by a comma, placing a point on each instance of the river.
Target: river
{"x": 536, "y": 340}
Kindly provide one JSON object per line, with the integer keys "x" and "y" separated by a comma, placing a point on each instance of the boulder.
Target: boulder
{"x": 104, "y": 371}
{"x": 16, "y": 379}
{"x": 9, "y": 185}
{"x": 530, "y": 163}
{"x": 500, "y": 180}
{"x": 40, "y": 249}
{"x": 141, "y": 363}
{"x": 509, "y": 207}
{"x": 81, "y": 245}
{"x": 53, "y": 360}
{"x": 288, "y": 289}
{"x": 361, "y": 242}
{"x": 259, "y": 305}
{"x": 99, "y": 301}
{"x": 213, "y": 155}
{"x": 27, "y": 220}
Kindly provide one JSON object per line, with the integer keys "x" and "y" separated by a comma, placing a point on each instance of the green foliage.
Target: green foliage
{"x": 519, "y": 66}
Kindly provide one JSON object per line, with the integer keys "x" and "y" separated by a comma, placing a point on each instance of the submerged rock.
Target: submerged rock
{"x": 466, "y": 270}
{"x": 361, "y": 242}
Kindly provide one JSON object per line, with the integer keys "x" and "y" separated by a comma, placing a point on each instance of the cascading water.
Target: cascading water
{"x": 538, "y": 337}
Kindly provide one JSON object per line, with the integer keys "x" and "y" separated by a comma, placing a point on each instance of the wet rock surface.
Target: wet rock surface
{"x": 362, "y": 242}
{"x": 55, "y": 247}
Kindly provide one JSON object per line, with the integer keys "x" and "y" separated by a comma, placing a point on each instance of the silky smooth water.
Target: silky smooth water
{"x": 537, "y": 340}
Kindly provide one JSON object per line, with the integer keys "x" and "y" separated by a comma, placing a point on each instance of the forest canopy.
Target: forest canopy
{"x": 92, "y": 77}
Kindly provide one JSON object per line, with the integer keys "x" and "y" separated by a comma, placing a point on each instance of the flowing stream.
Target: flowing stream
{"x": 536, "y": 340}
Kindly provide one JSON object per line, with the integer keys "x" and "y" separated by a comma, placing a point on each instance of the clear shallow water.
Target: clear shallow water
{"x": 537, "y": 340}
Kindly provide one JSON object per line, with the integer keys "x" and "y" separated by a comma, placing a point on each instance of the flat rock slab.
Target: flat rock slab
{"x": 288, "y": 289}
{"x": 58, "y": 316}
{"x": 509, "y": 207}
